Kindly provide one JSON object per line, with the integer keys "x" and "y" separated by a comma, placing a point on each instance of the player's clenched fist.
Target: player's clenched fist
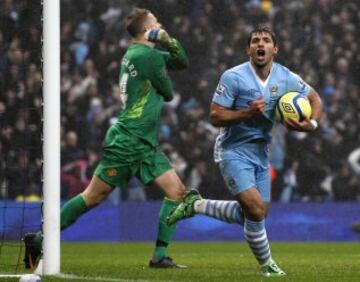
{"x": 157, "y": 35}
{"x": 257, "y": 107}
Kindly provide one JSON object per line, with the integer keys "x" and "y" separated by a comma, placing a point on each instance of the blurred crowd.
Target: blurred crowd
{"x": 20, "y": 99}
{"x": 318, "y": 40}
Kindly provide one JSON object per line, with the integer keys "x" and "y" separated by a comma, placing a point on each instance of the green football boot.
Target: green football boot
{"x": 271, "y": 269}
{"x": 185, "y": 209}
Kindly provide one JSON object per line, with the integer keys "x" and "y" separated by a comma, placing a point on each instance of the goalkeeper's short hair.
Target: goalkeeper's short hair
{"x": 135, "y": 21}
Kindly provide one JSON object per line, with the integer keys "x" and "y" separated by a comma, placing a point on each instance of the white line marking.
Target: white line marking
{"x": 98, "y": 278}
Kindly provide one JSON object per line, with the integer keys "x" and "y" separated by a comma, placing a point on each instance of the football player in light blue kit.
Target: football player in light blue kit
{"x": 244, "y": 107}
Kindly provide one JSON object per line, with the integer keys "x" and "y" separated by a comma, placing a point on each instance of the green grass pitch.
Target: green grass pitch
{"x": 230, "y": 261}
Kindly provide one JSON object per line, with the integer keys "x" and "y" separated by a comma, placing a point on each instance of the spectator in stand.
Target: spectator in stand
{"x": 73, "y": 167}
{"x": 345, "y": 186}
{"x": 24, "y": 173}
{"x": 20, "y": 93}
{"x": 289, "y": 192}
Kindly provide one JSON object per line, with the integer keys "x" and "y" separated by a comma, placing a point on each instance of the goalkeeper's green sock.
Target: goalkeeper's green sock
{"x": 165, "y": 231}
{"x": 72, "y": 210}
{"x": 69, "y": 213}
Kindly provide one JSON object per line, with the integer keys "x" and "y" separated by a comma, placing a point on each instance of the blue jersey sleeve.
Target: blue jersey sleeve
{"x": 226, "y": 90}
{"x": 296, "y": 84}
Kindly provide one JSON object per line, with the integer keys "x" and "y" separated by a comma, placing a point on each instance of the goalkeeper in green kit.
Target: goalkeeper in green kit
{"x": 131, "y": 145}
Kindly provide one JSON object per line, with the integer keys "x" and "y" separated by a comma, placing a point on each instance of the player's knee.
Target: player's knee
{"x": 255, "y": 212}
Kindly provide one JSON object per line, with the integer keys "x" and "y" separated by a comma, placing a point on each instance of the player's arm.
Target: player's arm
{"x": 159, "y": 77}
{"x": 176, "y": 57}
{"x": 221, "y": 116}
{"x": 221, "y": 111}
{"x": 316, "y": 105}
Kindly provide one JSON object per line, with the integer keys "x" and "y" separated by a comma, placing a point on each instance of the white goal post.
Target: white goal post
{"x": 51, "y": 136}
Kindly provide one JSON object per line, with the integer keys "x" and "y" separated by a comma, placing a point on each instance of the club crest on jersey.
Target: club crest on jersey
{"x": 274, "y": 90}
{"x": 111, "y": 172}
{"x": 220, "y": 89}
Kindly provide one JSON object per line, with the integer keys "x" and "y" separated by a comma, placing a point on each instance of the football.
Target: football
{"x": 292, "y": 105}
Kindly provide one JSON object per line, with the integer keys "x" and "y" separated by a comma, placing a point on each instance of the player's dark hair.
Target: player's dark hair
{"x": 261, "y": 29}
{"x": 135, "y": 21}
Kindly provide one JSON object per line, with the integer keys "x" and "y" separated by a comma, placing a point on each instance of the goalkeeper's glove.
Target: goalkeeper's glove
{"x": 157, "y": 35}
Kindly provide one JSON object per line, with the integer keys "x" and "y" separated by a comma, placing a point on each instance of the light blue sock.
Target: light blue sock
{"x": 228, "y": 211}
{"x": 255, "y": 235}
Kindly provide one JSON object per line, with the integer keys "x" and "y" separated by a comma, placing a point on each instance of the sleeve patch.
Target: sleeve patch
{"x": 220, "y": 89}
{"x": 302, "y": 84}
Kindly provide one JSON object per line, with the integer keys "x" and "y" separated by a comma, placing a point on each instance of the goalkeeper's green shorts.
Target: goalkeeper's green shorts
{"x": 126, "y": 156}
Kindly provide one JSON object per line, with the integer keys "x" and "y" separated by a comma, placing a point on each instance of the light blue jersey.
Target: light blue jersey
{"x": 238, "y": 87}
{"x": 241, "y": 150}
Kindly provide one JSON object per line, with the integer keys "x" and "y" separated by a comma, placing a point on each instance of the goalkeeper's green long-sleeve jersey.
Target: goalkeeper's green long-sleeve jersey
{"x": 145, "y": 85}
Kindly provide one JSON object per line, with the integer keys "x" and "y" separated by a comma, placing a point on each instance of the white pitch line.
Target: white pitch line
{"x": 98, "y": 278}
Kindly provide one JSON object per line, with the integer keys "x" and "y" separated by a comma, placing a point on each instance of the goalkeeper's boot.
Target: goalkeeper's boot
{"x": 165, "y": 262}
{"x": 184, "y": 209}
{"x": 271, "y": 269}
{"x": 32, "y": 252}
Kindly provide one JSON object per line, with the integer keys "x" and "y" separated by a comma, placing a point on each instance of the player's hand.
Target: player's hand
{"x": 304, "y": 125}
{"x": 157, "y": 35}
{"x": 257, "y": 107}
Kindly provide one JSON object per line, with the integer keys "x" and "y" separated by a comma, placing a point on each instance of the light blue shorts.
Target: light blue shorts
{"x": 246, "y": 167}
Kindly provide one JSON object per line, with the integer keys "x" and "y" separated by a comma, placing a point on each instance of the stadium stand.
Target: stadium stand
{"x": 317, "y": 40}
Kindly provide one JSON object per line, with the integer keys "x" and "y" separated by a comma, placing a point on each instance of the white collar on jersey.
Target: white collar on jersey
{"x": 258, "y": 79}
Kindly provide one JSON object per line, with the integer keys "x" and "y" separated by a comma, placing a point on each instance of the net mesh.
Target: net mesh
{"x": 20, "y": 128}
